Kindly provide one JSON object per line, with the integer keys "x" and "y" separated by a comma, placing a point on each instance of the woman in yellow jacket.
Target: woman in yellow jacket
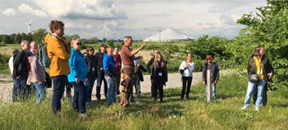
{"x": 58, "y": 51}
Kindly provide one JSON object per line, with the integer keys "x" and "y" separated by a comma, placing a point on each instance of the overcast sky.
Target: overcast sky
{"x": 138, "y": 18}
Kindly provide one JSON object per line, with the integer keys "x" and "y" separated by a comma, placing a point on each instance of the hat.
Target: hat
{"x": 103, "y": 45}
{"x": 209, "y": 57}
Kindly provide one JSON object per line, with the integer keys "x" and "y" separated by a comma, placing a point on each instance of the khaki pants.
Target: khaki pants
{"x": 127, "y": 83}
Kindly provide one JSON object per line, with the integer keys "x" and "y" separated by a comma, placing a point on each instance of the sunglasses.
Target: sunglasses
{"x": 79, "y": 44}
{"x": 90, "y": 50}
{"x": 208, "y": 59}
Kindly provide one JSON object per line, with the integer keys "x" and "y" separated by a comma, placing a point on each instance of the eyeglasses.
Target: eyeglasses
{"x": 79, "y": 44}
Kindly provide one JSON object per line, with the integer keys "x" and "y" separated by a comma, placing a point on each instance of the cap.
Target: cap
{"x": 103, "y": 45}
{"x": 209, "y": 57}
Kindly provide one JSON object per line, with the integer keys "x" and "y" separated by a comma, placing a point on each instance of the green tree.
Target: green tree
{"x": 17, "y": 39}
{"x": 12, "y": 37}
{"x": 39, "y": 35}
{"x": 94, "y": 40}
{"x": 104, "y": 40}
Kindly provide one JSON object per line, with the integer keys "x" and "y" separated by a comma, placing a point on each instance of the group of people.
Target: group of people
{"x": 69, "y": 66}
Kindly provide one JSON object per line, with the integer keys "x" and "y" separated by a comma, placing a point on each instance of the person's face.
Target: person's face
{"x": 26, "y": 46}
{"x": 109, "y": 52}
{"x": 156, "y": 52}
{"x": 116, "y": 51}
{"x": 77, "y": 45}
{"x": 130, "y": 41}
{"x": 209, "y": 60}
{"x": 262, "y": 51}
{"x": 189, "y": 57}
{"x": 33, "y": 47}
{"x": 103, "y": 49}
{"x": 59, "y": 31}
{"x": 158, "y": 58}
{"x": 90, "y": 51}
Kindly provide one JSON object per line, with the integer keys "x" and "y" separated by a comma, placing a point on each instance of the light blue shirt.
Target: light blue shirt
{"x": 187, "y": 71}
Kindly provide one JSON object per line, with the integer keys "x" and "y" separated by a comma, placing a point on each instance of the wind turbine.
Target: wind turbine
{"x": 29, "y": 25}
{"x": 105, "y": 29}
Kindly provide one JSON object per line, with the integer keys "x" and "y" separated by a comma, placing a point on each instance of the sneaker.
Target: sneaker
{"x": 245, "y": 107}
{"x": 84, "y": 115}
{"x": 257, "y": 108}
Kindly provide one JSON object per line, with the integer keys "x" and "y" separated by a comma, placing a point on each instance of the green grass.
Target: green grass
{"x": 173, "y": 114}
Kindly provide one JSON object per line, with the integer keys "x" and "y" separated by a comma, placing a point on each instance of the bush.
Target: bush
{"x": 4, "y": 68}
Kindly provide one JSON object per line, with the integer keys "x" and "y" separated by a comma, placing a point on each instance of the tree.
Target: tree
{"x": 104, "y": 40}
{"x": 94, "y": 40}
{"x": 12, "y": 37}
{"x": 6, "y": 39}
{"x": 17, "y": 39}
{"x": 39, "y": 35}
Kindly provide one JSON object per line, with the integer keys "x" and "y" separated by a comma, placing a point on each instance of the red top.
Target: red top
{"x": 126, "y": 55}
{"x": 28, "y": 63}
{"x": 117, "y": 59}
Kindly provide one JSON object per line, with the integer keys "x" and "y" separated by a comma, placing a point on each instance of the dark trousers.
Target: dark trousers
{"x": 79, "y": 97}
{"x": 30, "y": 90}
{"x": 59, "y": 83}
{"x": 152, "y": 90}
{"x": 158, "y": 85}
{"x": 89, "y": 87}
{"x": 264, "y": 98}
{"x": 21, "y": 84}
{"x": 100, "y": 77}
{"x": 118, "y": 81}
{"x": 186, "y": 83}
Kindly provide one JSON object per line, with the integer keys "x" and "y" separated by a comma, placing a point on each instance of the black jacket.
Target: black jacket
{"x": 99, "y": 60}
{"x": 20, "y": 65}
{"x": 149, "y": 64}
{"x": 155, "y": 74}
{"x": 214, "y": 72}
{"x": 265, "y": 64}
{"x": 90, "y": 61}
{"x": 140, "y": 69}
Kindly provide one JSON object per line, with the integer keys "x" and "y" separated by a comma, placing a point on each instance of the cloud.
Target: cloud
{"x": 26, "y": 9}
{"x": 84, "y": 9}
{"x": 9, "y": 12}
{"x": 77, "y": 25}
{"x": 156, "y": 15}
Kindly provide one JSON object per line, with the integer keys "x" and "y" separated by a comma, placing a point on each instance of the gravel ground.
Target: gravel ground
{"x": 174, "y": 81}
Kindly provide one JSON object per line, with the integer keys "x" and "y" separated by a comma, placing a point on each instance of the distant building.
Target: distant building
{"x": 168, "y": 35}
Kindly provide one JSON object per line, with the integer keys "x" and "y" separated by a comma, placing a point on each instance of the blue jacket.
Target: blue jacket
{"x": 78, "y": 66}
{"x": 109, "y": 66}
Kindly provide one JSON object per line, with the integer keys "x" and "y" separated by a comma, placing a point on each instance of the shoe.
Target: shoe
{"x": 257, "y": 108}
{"x": 245, "y": 107}
{"x": 84, "y": 115}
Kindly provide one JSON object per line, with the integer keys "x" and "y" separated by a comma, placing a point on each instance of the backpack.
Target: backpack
{"x": 43, "y": 55}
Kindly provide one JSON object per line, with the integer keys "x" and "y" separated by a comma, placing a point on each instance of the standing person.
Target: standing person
{"x": 10, "y": 62}
{"x": 79, "y": 71}
{"x": 159, "y": 76}
{"x": 30, "y": 88}
{"x": 137, "y": 77}
{"x": 259, "y": 71}
{"x": 37, "y": 75}
{"x": 186, "y": 68}
{"x": 118, "y": 61}
{"x": 100, "y": 73}
{"x": 156, "y": 52}
{"x": 22, "y": 67}
{"x": 58, "y": 50}
{"x": 127, "y": 56}
{"x": 91, "y": 76}
{"x": 264, "y": 99}
{"x": 110, "y": 71}
{"x": 214, "y": 70}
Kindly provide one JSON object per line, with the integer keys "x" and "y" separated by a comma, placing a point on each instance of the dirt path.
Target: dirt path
{"x": 174, "y": 81}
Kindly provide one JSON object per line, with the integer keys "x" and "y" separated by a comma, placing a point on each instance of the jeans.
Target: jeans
{"x": 136, "y": 83}
{"x": 79, "y": 97}
{"x": 250, "y": 91}
{"x": 213, "y": 91}
{"x": 40, "y": 91}
{"x": 186, "y": 83}
{"x": 14, "y": 90}
{"x": 89, "y": 87}
{"x": 264, "y": 99}
{"x": 111, "y": 90}
{"x": 21, "y": 84}
{"x": 100, "y": 77}
{"x": 59, "y": 83}
{"x": 30, "y": 89}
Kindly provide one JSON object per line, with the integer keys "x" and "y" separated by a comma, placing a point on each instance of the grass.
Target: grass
{"x": 173, "y": 114}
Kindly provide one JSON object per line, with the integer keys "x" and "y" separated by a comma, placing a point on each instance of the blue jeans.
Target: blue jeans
{"x": 213, "y": 91}
{"x": 111, "y": 90}
{"x": 21, "y": 84}
{"x": 59, "y": 83}
{"x": 79, "y": 97}
{"x": 89, "y": 87}
{"x": 250, "y": 91}
{"x": 100, "y": 77}
{"x": 136, "y": 83}
{"x": 40, "y": 91}
{"x": 14, "y": 90}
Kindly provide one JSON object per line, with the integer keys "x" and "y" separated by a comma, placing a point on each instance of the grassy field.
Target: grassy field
{"x": 223, "y": 114}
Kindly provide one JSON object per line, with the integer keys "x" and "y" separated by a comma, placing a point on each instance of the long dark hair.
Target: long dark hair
{"x": 87, "y": 50}
{"x": 257, "y": 51}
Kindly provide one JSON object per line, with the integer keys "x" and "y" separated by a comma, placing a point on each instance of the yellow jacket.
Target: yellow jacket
{"x": 59, "y": 53}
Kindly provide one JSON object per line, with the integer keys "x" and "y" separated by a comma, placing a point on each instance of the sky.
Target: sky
{"x": 137, "y": 18}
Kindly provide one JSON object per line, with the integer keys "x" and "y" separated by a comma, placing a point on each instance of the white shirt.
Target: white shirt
{"x": 11, "y": 64}
{"x": 135, "y": 61}
{"x": 188, "y": 71}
